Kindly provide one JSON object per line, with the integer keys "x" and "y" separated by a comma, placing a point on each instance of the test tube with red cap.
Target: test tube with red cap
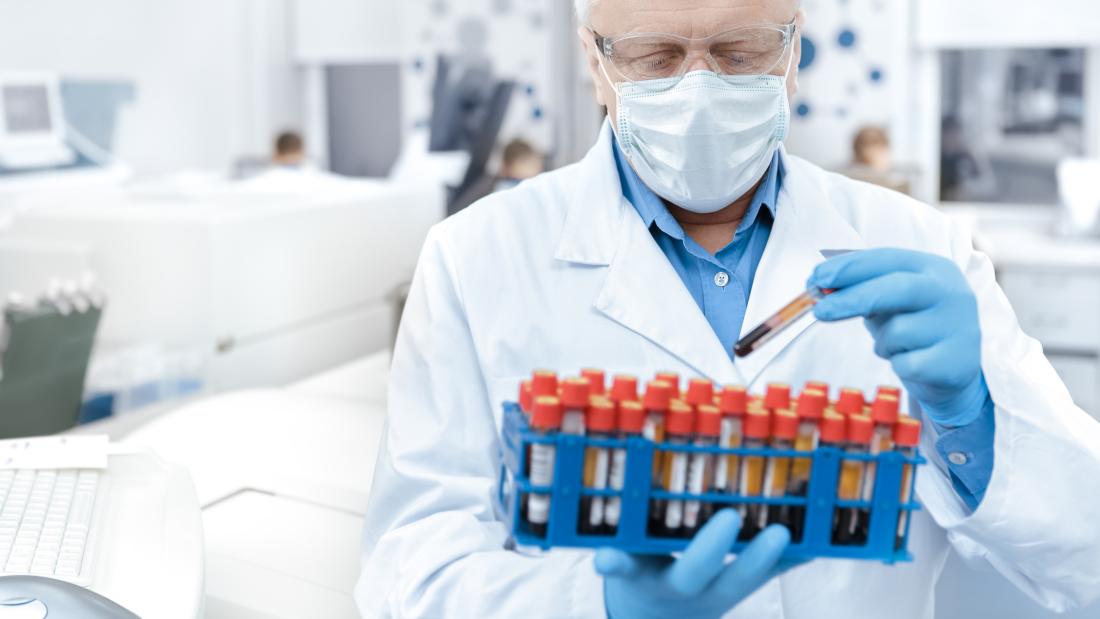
{"x": 849, "y": 521}
{"x": 884, "y": 414}
{"x": 817, "y": 385}
{"x": 889, "y": 390}
{"x": 708, "y": 427}
{"x": 631, "y": 420}
{"x": 597, "y": 382}
{"x": 679, "y": 427}
{"x": 812, "y": 404}
{"x": 656, "y": 401}
{"x": 600, "y": 421}
{"x": 850, "y": 402}
{"x": 673, "y": 379}
{"x": 906, "y": 437}
{"x": 778, "y": 472}
{"x": 545, "y": 419}
{"x": 574, "y": 400}
{"x": 733, "y": 403}
{"x": 757, "y": 431}
{"x": 700, "y": 391}
{"x": 544, "y": 383}
{"x": 777, "y": 397}
{"x": 624, "y": 388}
{"x": 526, "y": 397}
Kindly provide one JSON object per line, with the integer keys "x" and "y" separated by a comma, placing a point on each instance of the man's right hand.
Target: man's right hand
{"x": 700, "y": 583}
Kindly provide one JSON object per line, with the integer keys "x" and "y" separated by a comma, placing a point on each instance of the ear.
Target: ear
{"x": 592, "y": 62}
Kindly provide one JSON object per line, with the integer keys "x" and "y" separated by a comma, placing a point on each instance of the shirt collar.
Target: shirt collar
{"x": 652, "y": 208}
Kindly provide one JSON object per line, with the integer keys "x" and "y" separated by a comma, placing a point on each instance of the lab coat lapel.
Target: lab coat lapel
{"x": 806, "y": 223}
{"x": 642, "y": 291}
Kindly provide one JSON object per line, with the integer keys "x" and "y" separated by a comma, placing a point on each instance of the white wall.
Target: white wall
{"x": 213, "y": 77}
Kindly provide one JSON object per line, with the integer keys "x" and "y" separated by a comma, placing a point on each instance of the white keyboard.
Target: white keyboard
{"x": 47, "y": 521}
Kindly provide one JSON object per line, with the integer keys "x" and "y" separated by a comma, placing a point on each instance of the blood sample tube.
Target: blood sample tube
{"x": 810, "y": 410}
{"x": 708, "y": 428}
{"x": 679, "y": 427}
{"x": 817, "y": 385}
{"x": 624, "y": 388}
{"x": 600, "y": 421}
{"x": 906, "y": 437}
{"x": 733, "y": 403}
{"x": 777, "y": 397}
{"x": 631, "y": 420}
{"x": 597, "y": 383}
{"x": 757, "y": 430}
{"x": 884, "y": 414}
{"x": 673, "y": 379}
{"x": 700, "y": 391}
{"x": 526, "y": 397}
{"x": 574, "y": 400}
{"x": 545, "y": 420}
{"x": 850, "y": 521}
{"x": 888, "y": 390}
{"x": 777, "y": 475}
{"x": 544, "y": 383}
{"x": 850, "y": 402}
{"x": 658, "y": 395}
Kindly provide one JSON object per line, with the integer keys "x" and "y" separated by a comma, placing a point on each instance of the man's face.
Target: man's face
{"x": 695, "y": 19}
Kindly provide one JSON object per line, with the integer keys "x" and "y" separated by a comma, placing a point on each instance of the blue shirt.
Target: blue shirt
{"x": 720, "y": 283}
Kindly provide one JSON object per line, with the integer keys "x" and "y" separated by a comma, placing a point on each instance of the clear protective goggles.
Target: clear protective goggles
{"x": 658, "y": 61}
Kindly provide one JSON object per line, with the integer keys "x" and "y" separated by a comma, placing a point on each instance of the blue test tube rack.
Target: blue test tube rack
{"x": 633, "y": 535}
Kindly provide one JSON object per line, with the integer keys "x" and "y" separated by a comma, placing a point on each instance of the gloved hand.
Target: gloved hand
{"x": 923, "y": 317}
{"x": 697, "y": 584}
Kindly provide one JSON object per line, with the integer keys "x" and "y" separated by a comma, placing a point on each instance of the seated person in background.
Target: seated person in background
{"x": 290, "y": 150}
{"x": 520, "y": 161}
{"x": 872, "y": 162}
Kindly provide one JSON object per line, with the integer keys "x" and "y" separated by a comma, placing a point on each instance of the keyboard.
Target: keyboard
{"x": 47, "y": 523}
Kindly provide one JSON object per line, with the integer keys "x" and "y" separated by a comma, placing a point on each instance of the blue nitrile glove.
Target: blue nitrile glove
{"x": 700, "y": 583}
{"x": 923, "y": 316}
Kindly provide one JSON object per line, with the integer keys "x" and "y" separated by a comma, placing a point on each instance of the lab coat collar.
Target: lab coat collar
{"x": 643, "y": 292}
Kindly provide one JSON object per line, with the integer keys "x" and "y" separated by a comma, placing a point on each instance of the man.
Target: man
{"x": 519, "y": 161}
{"x": 685, "y": 226}
{"x": 289, "y": 150}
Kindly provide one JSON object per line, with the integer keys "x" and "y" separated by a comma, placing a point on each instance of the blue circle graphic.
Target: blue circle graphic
{"x": 809, "y": 53}
{"x": 877, "y": 75}
{"x": 803, "y": 110}
{"x": 847, "y": 38}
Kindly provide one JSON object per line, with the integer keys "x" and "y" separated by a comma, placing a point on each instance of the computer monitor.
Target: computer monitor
{"x": 32, "y": 126}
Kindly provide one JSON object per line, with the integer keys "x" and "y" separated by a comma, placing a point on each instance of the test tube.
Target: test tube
{"x": 680, "y": 422}
{"x": 777, "y": 475}
{"x": 810, "y": 409}
{"x": 850, "y": 402}
{"x": 888, "y": 390}
{"x": 631, "y": 420}
{"x": 624, "y": 388}
{"x": 673, "y": 379}
{"x": 574, "y": 400}
{"x": 600, "y": 421}
{"x": 751, "y": 484}
{"x": 777, "y": 397}
{"x": 544, "y": 383}
{"x": 526, "y": 397}
{"x": 906, "y": 437}
{"x": 779, "y": 321}
{"x": 817, "y": 385}
{"x": 658, "y": 395}
{"x": 708, "y": 428}
{"x": 733, "y": 402}
{"x": 597, "y": 383}
{"x": 850, "y": 521}
{"x": 884, "y": 414}
{"x": 545, "y": 419}
{"x": 700, "y": 391}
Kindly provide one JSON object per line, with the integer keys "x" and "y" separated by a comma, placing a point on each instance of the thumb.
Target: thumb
{"x": 611, "y": 562}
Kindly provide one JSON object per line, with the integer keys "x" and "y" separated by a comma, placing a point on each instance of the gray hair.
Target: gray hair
{"x": 584, "y": 7}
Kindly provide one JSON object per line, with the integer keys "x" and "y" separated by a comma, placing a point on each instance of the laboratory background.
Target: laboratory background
{"x": 211, "y": 211}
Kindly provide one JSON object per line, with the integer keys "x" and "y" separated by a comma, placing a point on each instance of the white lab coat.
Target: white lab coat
{"x": 562, "y": 273}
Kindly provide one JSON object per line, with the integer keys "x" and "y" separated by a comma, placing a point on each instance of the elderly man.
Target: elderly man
{"x": 685, "y": 226}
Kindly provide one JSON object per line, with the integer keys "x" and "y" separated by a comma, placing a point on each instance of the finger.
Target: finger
{"x": 893, "y": 293}
{"x": 705, "y": 556}
{"x": 855, "y": 267}
{"x": 756, "y": 565}
{"x": 902, "y": 333}
{"x": 612, "y": 562}
{"x": 916, "y": 366}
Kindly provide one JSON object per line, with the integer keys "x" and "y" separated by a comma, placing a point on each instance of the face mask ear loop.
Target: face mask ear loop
{"x": 790, "y": 60}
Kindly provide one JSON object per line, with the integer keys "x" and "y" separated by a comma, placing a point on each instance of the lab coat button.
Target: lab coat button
{"x": 721, "y": 279}
{"x": 957, "y": 458}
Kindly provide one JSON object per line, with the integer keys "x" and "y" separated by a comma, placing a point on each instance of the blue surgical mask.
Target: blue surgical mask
{"x": 703, "y": 140}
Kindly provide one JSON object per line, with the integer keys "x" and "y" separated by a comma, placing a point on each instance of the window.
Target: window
{"x": 1008, "y": 117}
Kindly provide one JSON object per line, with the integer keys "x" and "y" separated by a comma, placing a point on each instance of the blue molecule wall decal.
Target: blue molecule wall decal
{"x": 803, "y": 110}
{"x": 530, "y": 90}
{"x": 846, "y": 38}
{"x": 877, "y": 75}
{"x": 537, "y": 113}
{"x": 809, "y": 53}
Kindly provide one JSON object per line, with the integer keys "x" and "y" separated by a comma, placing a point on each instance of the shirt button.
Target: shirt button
{"x": 721, "y": 279}
{"x": 957, "y": 458}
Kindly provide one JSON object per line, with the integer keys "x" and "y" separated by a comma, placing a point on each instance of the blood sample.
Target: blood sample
{"x": 733, "y": 404}
{"x": 631, "y": 420}
{"x": 624, "y": 388}
{"x": 906, "y": 437}
{"x": 777, "y": 473}
{"x": 545, "y": 420}
{"x": 850, "y": 402}
{"x": 757, "y": 430}
{"x": 708, "y": 428}
{"x": 850, "y": 522}
{"x": 600, "y": 422}
{"x": 597, "y": 383}
{"x": 680, "y": 422}
{"x": 574, "y": 400}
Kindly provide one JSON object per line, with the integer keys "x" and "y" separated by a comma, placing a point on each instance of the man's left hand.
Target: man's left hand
{"x": 923, "y": 317}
